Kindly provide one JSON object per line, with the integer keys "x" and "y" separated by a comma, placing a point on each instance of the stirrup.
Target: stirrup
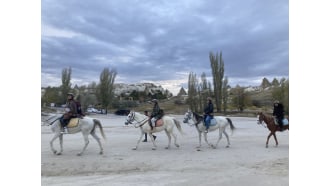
{"x": 64, "y": 131}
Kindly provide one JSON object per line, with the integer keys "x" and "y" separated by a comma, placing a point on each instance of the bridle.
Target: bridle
{"x": 261, "y": 121}
{"x": 139, "y": 123}
{"x": 188, "y": 116}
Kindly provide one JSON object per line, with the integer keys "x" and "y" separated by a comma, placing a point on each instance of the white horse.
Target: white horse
{"x": 221, "y": 124}
{"x": 85, "y": 125}
{"x": 142, "y": 122}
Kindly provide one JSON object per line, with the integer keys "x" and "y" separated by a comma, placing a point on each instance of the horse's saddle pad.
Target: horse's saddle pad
{"x": 159, "y": 123}
{"x": 284, "y": 121}
{"x": 73, "y": 122}
{"x": 213, "y": 122}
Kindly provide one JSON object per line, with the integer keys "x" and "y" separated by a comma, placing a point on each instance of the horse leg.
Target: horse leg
{"x": 220, "y": 136}
{"x": 51, "y": 142}
{"x": 139, "y": 140}
{"x": 200, "y": 139}
{"x": 169, "y": 139}
{"x": 61, "y": 144}
{"x": 270, "y": 134}
{"x": 175, "y": 138}
{"x": 205, "y": 138}
{"x": 86, "y": 143}
{"x": 228, "y": 142}
{"x": 275, "y": 138}
{"x": 98, "y": 141}
{"x": 153, "y": 141}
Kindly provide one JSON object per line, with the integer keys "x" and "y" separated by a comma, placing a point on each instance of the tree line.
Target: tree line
{"x": 103, "y": 92}
{"x": 225, "y": 96}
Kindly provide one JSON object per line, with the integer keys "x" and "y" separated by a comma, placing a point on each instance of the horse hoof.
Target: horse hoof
{"x": 153, "y": 148}
{"x": 79, "y": 154}
{"x": 198, "y": 149}
{"x": 59, "y": 153}
{"x": 227, "y": 146}
{"x": 266, "y": 146}
{"x": 177, "y": 145}
{"x": 134, "y": 148}
{"x": 165, "y": 148}
{"x": 101, "y": 152}
{"x": 54, "y": 151}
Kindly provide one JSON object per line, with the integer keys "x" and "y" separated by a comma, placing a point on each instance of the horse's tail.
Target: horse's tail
{"x": 232, "y": 127}
{"x": 178, "y": 126}
{"x": 98, "y": 123}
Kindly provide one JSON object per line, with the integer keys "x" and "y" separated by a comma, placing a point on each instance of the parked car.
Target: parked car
{"x": 93, "y": 110}
{"x": 122, "y": 112}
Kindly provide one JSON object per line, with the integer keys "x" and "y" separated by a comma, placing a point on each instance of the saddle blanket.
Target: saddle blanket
{"x": 284, "y": 121}
{"x": 213, "y": 122}
{"x": 159, "y": 123}
{"x": 73, "y": 122}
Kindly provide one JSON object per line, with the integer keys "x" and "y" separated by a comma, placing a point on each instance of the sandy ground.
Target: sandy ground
{"x": 247, "y": 161}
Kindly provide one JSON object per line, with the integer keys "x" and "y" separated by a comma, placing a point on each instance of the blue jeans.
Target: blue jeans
{"x": 207, "y": 121}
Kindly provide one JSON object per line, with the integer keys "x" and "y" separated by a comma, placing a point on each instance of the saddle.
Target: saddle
{"x": 212, "y": 122}
{"x": 73, "y": 122}
{"x": 159, "y": 123}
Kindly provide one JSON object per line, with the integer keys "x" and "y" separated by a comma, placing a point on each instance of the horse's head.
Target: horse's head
{"x": 187, "y": 117}
{"x": 130, "y": 117}
{"x": 260, "y": 118}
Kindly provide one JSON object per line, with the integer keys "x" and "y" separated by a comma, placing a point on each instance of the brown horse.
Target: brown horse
{"x": 273, "y": 128}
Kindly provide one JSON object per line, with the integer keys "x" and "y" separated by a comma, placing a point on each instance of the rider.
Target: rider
{"x": 71, "y": 112}
{"x": 145, "y": 134}
{"x": 278, "y": 112}
{"x": 155, "y": 114}
{"x": 208, "y": 114}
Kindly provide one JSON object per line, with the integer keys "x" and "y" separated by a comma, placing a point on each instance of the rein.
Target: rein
{"x": 141, "y": 123}
{"x": 266, "y": 120}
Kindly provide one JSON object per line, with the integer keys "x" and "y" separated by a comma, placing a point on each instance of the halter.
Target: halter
{"x": 141, "y": 123}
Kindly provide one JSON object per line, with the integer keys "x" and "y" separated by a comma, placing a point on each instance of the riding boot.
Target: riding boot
{"x": 154, "y": 137}
{"x": 206, "y": 130}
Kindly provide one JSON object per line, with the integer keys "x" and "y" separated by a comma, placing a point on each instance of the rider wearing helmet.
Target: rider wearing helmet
{"x": 71, "y": 112}
{"x": 278, "y": 112}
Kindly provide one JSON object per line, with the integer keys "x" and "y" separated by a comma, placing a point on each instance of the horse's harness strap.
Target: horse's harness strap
{"x": 140, "y": 124}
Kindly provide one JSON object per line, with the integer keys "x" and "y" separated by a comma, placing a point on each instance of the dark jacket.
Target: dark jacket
{"x": 71, "y": 104}
{"x": 155, "y": 111}
{"x": 278, "y": 111}
{"x": 209, "y": 109}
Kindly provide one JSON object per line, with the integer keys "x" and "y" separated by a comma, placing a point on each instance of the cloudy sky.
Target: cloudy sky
{"x": 162, "y": 41}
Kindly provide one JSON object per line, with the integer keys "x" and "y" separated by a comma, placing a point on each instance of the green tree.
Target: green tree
{"x": 281, "y": 93}
{"x": 217, "y": 66}
{"x": 225, "y": 94}
{"x": 106, "y": 87}
{"x": 66, "y": 84}
{"x": 192, "y": 92}
{"x": 51, "y": 95}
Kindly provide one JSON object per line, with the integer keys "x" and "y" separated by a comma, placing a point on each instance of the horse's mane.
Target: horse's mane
{"x": 198, "y": 117}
